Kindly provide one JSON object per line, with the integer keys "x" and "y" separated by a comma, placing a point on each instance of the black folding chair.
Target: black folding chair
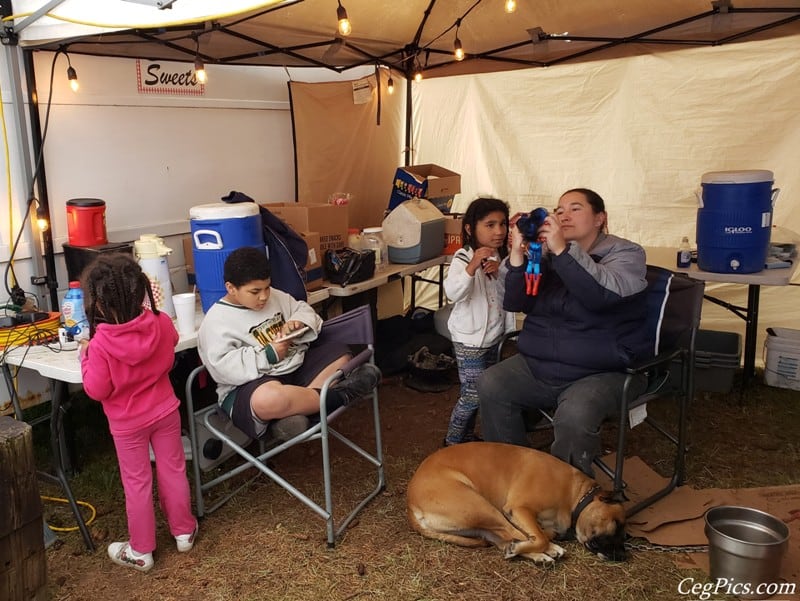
{"x": 674, "y": 303}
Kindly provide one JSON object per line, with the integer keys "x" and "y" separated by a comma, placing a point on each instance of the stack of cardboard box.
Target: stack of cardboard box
{"x": 323, "y": 227}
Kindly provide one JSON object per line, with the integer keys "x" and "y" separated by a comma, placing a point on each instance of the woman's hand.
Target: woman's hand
{"x": 481, "y": 258}
{"x": 551, "y": 234}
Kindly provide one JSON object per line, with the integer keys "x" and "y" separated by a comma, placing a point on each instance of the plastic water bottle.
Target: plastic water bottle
{"x": 684, "y": 253}
{"x": 73, "y": 313}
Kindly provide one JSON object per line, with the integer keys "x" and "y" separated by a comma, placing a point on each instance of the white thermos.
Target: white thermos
{"x": 151, "y": 253}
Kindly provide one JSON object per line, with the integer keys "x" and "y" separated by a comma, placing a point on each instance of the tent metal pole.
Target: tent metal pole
{"x": 23, "y": 144}
{"x": 409, "y": 118}
{"x": 50, "y": 279}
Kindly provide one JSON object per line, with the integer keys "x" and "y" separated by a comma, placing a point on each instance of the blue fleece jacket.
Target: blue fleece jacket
{"x": 589, "y": 314}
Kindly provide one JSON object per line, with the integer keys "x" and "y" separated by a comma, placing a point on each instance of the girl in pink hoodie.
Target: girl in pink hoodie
{"x": 125, "y": 366}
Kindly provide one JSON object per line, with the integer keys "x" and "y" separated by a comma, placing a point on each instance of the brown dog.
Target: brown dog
{"x": 515, "y": 498}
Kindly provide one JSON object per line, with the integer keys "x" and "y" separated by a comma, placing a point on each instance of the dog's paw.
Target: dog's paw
{"x": 510, "y": 550}
{"x": 515, "y": 548}
{"x": 554, "y": 551}
{"x": 542, "y": 558}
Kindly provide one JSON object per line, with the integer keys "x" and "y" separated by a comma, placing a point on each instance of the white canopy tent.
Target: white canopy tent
{"x": 638, "y": 100}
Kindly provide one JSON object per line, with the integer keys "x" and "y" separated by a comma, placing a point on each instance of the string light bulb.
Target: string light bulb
{"x": 41, "y": 219}
{"x": 344, "y": 23}
{"x": 200, "y": 71}
{"x": 390, "y": 86}
{"x": 418, "y": 75}
{"x": 511, "y": 6}
{"x": 199, "y": 67}
{"x": 458, "y": 51}
{"x": 72, "y": 75}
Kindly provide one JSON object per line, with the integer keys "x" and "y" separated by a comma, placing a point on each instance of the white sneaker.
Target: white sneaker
{"x": 185, "y": 542}
{"x": 123, "y": 554}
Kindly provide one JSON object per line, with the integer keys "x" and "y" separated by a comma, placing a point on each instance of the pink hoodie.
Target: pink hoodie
{"x": 126, "y": 367}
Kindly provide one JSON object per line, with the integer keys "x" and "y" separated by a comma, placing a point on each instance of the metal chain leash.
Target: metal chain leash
{"x": 647, "y": 546}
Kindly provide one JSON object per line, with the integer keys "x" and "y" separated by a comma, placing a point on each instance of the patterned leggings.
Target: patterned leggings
{"x": 472, "y": 361}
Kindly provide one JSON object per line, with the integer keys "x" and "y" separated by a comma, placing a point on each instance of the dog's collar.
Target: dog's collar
{"x": 585, "y": 500}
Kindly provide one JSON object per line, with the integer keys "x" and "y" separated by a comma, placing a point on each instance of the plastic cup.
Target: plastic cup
{"x": 185, "y": 311}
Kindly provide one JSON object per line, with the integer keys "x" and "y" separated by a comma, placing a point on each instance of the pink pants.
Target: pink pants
{"x": 137, "y": 480}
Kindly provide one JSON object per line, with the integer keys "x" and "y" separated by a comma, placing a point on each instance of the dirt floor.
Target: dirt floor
{"x": 263, "y": 544}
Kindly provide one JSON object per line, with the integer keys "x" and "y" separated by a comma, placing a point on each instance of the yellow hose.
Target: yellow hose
{"x": 71, "y": 528}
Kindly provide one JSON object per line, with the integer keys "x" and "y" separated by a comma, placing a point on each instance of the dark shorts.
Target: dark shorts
{"x": 317, "y": 358}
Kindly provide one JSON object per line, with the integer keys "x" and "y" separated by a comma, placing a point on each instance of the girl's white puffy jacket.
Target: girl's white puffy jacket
{"x": 477, "y": 318}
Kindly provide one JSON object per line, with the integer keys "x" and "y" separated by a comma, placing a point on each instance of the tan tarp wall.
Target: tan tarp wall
{"x": 341, "y": 148}
{"x": 641, "y": 131}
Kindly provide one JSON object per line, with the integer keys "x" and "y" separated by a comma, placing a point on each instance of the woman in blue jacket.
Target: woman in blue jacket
{"x": 582, "y": 327}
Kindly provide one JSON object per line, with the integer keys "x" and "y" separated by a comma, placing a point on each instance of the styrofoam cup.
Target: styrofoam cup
{"x": 185, "y": 310}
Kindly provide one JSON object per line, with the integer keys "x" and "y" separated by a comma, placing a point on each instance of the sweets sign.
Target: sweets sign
{"x": 167, "y": 78}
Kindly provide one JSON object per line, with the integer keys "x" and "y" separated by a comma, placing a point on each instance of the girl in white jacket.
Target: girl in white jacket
{"x": 474, "y": 284}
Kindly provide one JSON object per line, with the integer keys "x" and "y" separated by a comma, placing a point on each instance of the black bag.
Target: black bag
{"x": 349, "y": 266}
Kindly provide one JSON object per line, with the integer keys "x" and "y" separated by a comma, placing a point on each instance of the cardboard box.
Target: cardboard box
{"x": 313, "y": 268}
{"x": 188, "y": 253}
{"x": 452, "y": 233}
{"x": 329, "y": 221}
{"x": 437, "y": 184}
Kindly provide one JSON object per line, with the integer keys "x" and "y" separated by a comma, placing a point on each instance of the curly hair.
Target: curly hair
{"x": 115, "y": 288}
{"x": 246, "y": 264}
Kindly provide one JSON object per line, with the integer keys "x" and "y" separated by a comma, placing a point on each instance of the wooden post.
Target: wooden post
{"x": 23, "y": 567}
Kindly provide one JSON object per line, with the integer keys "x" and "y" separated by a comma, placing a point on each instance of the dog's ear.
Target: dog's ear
{"x": 608, "y": 496}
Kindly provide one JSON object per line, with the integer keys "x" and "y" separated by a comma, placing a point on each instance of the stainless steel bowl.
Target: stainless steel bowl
{"x": 746, "y": 547}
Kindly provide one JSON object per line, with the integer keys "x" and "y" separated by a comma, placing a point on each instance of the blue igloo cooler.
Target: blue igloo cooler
{"x": 218, "y": 229}
{"x": 734, "y": 221}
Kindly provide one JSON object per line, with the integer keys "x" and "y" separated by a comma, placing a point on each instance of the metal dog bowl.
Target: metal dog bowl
{"x": 745, "y": 547}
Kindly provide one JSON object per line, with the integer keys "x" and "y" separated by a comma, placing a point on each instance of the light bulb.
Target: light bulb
{"x": 344, "y": 23}
{"x": 72, "y": 76}
{"x": 459, "y": 51}
{"x": 418, "y": 76}
{"x": 390, "y": 86}
{"x": 511, "y": 6}
{"x": 41, "y": 219}
{"x": 200, "y": 71}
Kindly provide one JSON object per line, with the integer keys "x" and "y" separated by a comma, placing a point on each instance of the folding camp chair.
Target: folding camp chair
{"x": 209, "y": 428}
{"x": 674, "y": 302}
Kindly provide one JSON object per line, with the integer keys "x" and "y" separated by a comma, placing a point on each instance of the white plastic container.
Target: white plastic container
{"x": 373, "y": 240}
{"x": 151, "y": 253}
{"x": 782, "y": 361}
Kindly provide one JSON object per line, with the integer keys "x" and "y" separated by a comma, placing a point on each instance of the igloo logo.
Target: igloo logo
{"x": 741, "y": 229}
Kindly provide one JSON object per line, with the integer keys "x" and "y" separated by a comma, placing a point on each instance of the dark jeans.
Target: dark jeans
{"x": 508, "y": 389}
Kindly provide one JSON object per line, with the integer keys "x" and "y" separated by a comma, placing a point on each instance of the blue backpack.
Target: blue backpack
{"x": 286, "y": 249}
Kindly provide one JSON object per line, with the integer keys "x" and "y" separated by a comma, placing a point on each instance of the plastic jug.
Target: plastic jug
{"x": 373, "y": 240}
{"x": 151, "y": 253}
{"x": 73, "y": 313}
